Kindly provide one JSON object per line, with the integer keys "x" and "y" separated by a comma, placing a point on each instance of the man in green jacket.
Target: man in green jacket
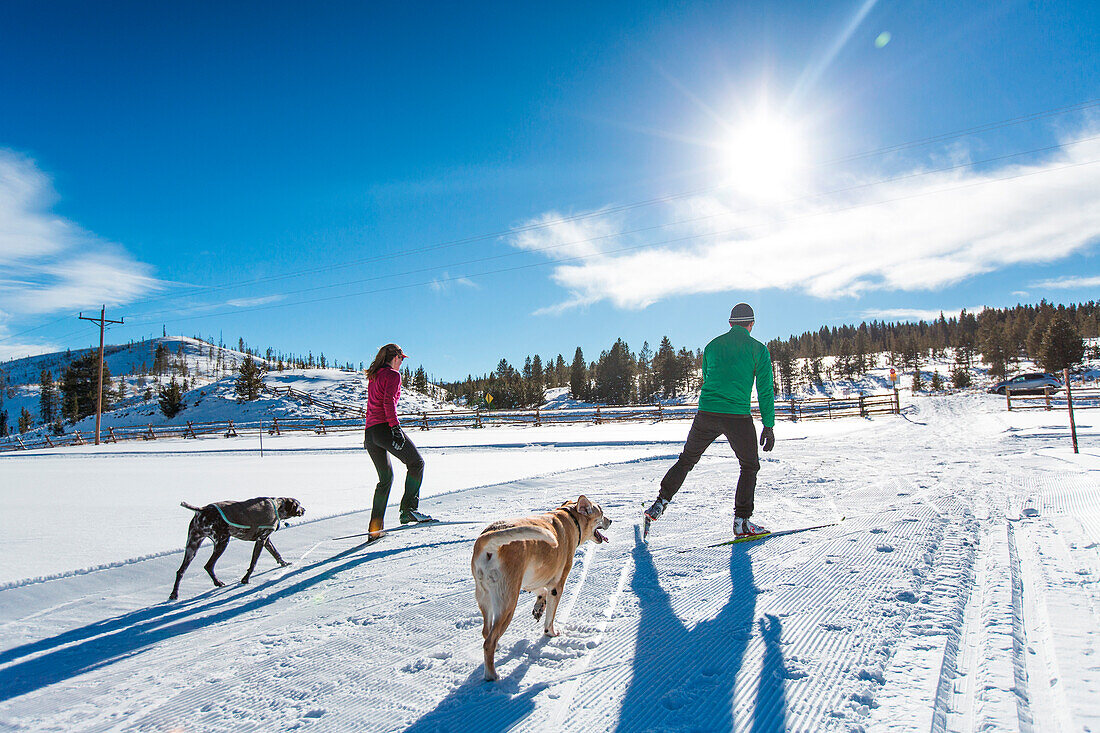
{"x": 731, "y": 363}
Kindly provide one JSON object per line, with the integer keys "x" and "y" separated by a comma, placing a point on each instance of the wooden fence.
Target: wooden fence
{"x": 816, "y": 408}
{"x": 1084, "y": 398}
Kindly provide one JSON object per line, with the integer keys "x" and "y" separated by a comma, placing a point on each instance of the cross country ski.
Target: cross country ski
{"x": 434, "y": 523}
{"x": 777, "y": 533}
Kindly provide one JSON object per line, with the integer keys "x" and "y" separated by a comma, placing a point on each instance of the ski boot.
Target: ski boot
{"x": 410, "y": 516}
{"x": 742, "y": 527}
{"x": 652, "y": 514}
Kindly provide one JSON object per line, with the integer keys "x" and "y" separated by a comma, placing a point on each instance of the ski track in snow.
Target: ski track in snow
{"x": 960, "y": 593}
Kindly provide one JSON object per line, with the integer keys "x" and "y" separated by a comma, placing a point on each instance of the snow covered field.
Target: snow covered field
{"x": 960, "y": 592}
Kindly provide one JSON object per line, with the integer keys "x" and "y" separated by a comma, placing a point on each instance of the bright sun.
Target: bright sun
{"x": 764, "y": 156}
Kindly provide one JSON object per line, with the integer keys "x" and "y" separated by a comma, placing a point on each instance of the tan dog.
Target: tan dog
{"x": 531, "y": 553}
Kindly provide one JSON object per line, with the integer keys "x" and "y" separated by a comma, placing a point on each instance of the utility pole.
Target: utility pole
{"x": 102, "y": 321}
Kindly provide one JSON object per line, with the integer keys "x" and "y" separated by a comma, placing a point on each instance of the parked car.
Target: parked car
{"x": 1031, "y": 383}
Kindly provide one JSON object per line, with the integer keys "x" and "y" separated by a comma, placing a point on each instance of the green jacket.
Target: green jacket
{"x": 731, "y": 363}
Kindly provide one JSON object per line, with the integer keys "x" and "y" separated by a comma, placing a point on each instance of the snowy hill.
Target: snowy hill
{"x": 209, "y": 372}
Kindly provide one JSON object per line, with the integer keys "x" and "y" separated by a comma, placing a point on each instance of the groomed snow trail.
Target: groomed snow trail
{"x": 958, "y": 594}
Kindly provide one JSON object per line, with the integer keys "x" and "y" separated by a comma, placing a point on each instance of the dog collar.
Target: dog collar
{"x": 580, "y": 535}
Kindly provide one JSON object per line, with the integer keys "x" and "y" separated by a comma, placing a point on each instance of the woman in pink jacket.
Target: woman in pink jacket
{"x": 383, "y": 436}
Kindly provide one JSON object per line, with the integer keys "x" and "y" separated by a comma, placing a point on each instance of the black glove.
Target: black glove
{"x": 398, "y": 437}
{"x": 767, "y": 439}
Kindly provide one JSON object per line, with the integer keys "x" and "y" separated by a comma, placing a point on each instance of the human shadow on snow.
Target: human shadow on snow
{"x": 102, "y": 643}
{"x": 687, "y": 677}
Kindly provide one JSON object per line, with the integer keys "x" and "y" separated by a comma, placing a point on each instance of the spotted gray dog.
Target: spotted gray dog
{"x": 252, "y": 520}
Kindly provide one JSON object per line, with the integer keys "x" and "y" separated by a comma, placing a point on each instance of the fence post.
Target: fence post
{"x": 20, "y": 442}
{"x": 79, "y": 440}
{"x": 658, "y": 412}
{"x": 276, "y": 426}
{"x": 322, "y": 430}
{"x": 537, "y": 418}
{"x": 230, "y": 433}
{"x": 424, "y": 420}
{"x": 150, "y": 435}
{"x": 597, "y": 414}
{"x": 1046, "y": 396}
{"x": 1008, "y": 398}
{"x": 48, "y": 441}
{"x": 862, "y": 407}
{"x": 794, "y": 415}
{"x": 111, "y": 436}
{"x": 1069, "y": 403}
{"x": 829, "y": 407}
{"x": 190, "y": 431}
{"x": 897, "y": 402}
{"x": 477, "y": 417}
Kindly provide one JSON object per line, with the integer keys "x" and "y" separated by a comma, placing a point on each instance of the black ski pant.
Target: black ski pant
{"x": 706, "y": 427}
{"x": 378, "y": 440}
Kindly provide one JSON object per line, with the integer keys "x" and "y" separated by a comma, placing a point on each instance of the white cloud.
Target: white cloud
{"x": 1065, "y": 283}
{"x": 443, "y": 283}
{"x": 922, "y": 233}
{"x": 16, "y": 347}
{"x": 249, "y": 302}
{"x": 49, "y": 263}
{"x": 916, "y": 314}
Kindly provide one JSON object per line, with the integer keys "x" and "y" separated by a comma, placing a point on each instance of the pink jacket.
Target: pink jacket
{"x": 382, "y": 394}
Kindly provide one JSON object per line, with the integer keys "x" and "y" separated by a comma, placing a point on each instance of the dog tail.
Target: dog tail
{"x": 185, "y": 505}
{"x": 517, "y": 534}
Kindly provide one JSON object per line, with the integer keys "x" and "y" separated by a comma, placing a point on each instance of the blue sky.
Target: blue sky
{"x": 488, "y": 180}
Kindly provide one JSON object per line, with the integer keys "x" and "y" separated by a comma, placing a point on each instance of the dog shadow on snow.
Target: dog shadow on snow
{"x": 104, "y": 642}
{"x": 690, "y": 674}
{"x": 488, "y": 707}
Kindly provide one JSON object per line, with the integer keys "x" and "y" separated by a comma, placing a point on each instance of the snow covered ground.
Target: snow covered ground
{"x": 960, "y": 592}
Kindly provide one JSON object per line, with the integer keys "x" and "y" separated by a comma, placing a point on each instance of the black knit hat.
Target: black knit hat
{"x": 742, "y": 315}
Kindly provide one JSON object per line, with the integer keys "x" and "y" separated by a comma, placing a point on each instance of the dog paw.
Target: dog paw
{"x": 286, "y": 564}
{"x": 551, "y": 631}
{"x": 244, "y": 581}
{"x": 173, "y": 597}
{"x": 219, "y": 584}
{"x": 490, "y": 676}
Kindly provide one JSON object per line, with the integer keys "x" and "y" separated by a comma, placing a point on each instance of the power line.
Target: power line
{"x": 579, "y": 258}
{"x": 943, "y": 137}
{"x": 589, "y": 240}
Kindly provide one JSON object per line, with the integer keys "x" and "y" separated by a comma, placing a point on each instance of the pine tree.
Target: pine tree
{"x": 250, "y": 379}
{"x": 420, "y": 380}
{"x": 79, "y": 385}
{"x": 665, "y": 369}
{"x": 960, "y": 371}
{"x": 25, "y": 420}
{"x": 47, "y": 397}
{"x": 578, "y": 377}
{"x": 1061, "y": 346}
{"x": 936, "y": 385}
{"x": 918, "y": 384}
{"x": 171, "y": 399}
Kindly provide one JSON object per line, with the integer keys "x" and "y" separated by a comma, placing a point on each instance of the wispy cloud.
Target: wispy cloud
{"x": 49, "y": 263}
{"x": 249, "y": 302}
{"x": 1067, "y": 283}
{"x": 445, "y": 282}
{"x": 916, "y": 314}
{"x": 16, "y": 347}
{"x": 920, "y": 233}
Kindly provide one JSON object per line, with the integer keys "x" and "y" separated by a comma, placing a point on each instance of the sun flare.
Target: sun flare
{"x": 764, "y": 156}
